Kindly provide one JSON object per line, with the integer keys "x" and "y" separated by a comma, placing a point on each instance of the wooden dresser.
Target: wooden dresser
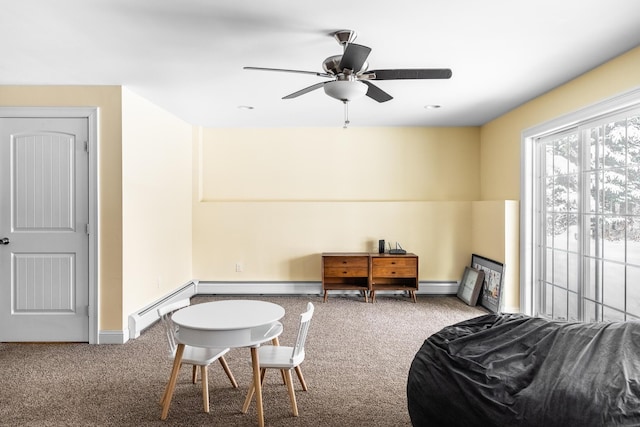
{"x": 393, "y": 272}
{"x": 368, "y": 272}
{"x": 345, "y": 271}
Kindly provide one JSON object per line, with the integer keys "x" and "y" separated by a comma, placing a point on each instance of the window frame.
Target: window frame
{"x": 529, "y": 193}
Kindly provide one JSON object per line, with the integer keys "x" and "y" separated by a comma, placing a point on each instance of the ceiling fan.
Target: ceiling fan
{"x": 350, "y": 76}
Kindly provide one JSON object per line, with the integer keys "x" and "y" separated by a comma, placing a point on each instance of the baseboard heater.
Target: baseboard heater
{"x": 306, "y": 288}
{"x": 148, "y": 315}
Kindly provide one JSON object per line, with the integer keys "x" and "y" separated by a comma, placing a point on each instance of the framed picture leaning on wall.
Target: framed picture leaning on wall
{"x": 470, "y": 285}
{"x": 491, "y": 292}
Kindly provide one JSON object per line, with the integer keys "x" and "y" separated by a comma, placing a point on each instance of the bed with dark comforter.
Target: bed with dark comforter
{"x": 515, "y": 370}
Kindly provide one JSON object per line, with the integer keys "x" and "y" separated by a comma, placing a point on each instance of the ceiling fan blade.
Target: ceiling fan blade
{"x": 305, "y": 90}
{"x": 354, "y": 57}
{"x": 377, "y": 94}
{"x": 288, "y": 71}
{"x": 415, "y": 73}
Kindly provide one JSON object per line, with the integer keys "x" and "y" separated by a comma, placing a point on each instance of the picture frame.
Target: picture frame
{"x": 491, "y": 290}
{"x": 470, "y": 285}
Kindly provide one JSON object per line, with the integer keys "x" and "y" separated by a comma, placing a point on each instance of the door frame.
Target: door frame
{"x": 91, "y": 114}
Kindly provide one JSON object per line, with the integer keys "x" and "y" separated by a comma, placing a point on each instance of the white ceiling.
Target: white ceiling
{"x": 187, "y": 55}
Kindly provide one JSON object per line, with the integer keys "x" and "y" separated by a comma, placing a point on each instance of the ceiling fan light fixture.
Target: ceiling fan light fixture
{"x": 345, "y": 90}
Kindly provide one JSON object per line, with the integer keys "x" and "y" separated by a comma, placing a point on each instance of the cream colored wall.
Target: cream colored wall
{"x": 495, "y": 236}
{"x": 156, "y": 210}
{"x": 333, "y": 164}
{"x": 108, "y": 100}
{"x": 274, "y": 199}
{"x": 501, "y": 138}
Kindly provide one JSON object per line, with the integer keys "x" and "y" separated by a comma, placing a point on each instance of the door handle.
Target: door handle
{"x": 4, "y": 241}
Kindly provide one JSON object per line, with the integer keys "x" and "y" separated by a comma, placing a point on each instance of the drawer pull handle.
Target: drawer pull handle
{"x": 393, "y": 263}
{"x": 344, "y": 272}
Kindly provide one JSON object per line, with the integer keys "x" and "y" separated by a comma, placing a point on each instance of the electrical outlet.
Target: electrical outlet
{"x": 238, "y": 267}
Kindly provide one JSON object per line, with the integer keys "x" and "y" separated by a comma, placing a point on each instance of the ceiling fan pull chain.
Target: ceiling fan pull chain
{"x": 346, "y": 114}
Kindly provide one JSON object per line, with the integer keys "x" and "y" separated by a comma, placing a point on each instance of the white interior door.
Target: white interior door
{"x": 44, "y": 216}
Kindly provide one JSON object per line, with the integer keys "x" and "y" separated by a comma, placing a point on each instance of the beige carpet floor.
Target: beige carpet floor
{"x": 358, "y": 358}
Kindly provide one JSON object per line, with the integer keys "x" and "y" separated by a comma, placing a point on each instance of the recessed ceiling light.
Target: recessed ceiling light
{"x": 432, "y": 107}
{"x": 245, "y": 107}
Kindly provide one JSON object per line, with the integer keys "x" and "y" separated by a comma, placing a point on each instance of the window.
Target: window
{"x": 581, "y": 215}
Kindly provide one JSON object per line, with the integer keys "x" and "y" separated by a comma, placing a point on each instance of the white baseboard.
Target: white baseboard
{"x": 113, "y": 337}
{"x": 147, "y": 316}
{"x": 511, "y": 310}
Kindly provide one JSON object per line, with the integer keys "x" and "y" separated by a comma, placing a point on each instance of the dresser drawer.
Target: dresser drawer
{"x": 346, "y": 272}
{"x": 384, "y": 271}
{"x": 409, "y": 262}
{"x": 331, "y": 262}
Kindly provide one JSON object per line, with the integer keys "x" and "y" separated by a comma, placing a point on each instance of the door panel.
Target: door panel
{"x": 44, "y": 269}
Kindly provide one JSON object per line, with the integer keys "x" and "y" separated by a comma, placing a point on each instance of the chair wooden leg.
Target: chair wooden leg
{"x": 205, "y": 388}
{"x": 247, "y": 400}
{"x": 326, "y": 294}
{"x": 166, "y": 401}
{"x": 164, "y": 395}
{"x": 301, "y": 378}
{"x": 194, "y": 374}
{"x": 223, "y": 362}
{"x": 292, "y": 394}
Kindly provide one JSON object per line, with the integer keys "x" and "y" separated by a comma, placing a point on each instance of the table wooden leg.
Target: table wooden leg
{"x": 168, "y": 394}
{"x": 252, "y": 389}
{"x": 205, "y": 388}
{"x": 257, "y": 384}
